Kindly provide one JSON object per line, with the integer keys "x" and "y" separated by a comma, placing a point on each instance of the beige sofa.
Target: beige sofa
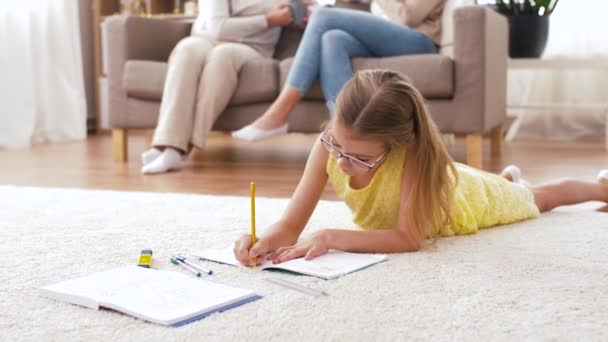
{"x": 465, "y": 85}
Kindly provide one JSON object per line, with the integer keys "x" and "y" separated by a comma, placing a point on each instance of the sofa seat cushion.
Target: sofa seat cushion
{"x": 432, "y": 74}
{"x": 258, "y": 81}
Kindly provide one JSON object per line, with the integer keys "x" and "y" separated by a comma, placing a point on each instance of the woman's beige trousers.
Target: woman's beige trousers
{"x": 201, "y": 78}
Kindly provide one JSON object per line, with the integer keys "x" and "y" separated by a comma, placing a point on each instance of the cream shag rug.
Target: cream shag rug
{"x": 544, "y": 279}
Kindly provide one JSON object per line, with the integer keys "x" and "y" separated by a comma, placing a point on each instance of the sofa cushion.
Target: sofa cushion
{"x": 258, "y": 81}
{"x": 432, "y": 74}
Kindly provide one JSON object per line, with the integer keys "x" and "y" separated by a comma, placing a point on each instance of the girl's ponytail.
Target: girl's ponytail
{"x": 433, "y": 189}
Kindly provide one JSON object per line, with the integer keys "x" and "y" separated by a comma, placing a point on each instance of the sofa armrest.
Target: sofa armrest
{"x": 113, "y": 43}
{"x": 126, "y": 38}
{"x": 481, "y": 38}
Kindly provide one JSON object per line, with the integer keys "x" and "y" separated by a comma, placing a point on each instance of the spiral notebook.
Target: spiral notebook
{"x": 328, "y": 266}
{"x": 162, "y": 297}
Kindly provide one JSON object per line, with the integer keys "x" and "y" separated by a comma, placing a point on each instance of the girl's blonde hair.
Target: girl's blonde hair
{"x": 383, "y": 106}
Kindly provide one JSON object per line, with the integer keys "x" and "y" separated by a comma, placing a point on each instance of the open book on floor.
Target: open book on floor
{"x": 328, "y": 266}
{"x": 162, "y": 297}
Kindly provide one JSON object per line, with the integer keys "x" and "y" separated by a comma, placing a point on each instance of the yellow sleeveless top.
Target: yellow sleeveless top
{"x": 482, "y": 199}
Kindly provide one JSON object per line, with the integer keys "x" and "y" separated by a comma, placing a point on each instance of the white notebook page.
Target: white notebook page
{"x": 330, "y": 265}
{"x": 162, "y": 297}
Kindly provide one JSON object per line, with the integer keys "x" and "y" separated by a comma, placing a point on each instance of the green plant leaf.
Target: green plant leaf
{"x": 525, "y": 7}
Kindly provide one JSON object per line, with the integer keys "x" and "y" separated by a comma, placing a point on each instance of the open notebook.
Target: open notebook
{"x": 163, "y": 297}
{"x": 328, "y": 266}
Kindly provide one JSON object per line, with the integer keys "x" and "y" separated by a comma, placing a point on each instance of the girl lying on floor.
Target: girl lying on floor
{"x": 386, "y": 160}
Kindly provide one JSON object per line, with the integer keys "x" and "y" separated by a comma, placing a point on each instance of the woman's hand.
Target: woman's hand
{"x": 305, "y": 20}
{"x": 279, "y": 15}
{"x": 314, "y": 246}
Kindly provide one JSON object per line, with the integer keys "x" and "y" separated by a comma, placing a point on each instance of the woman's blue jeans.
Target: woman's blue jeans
{"x": 334, "y": 36}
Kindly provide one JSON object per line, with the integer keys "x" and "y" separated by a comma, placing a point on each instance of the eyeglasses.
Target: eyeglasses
{"x": 355, "y": 162}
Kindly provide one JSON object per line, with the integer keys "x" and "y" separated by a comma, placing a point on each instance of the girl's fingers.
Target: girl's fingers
{"x": 258, "y": 261}
{"x": 259, "y": 249}
{"x": 241, "y": 250}
{"x": 280, "y": 256}
{"x": 313, "y": 253}
{"x": 243, "y": 257}
{"x": 278, "y": 252}
{"x": 257, "y": 252}
{"x": 292, "y": 254}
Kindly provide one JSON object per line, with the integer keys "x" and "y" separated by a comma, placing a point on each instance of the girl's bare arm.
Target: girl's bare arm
{"x": 286, "y": 231}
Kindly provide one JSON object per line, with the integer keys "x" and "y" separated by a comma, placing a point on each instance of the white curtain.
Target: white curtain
{"x": 42, "y": 93}
{"x": 577, "y": 29}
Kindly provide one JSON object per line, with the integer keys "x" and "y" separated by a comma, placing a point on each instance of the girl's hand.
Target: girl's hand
{"x": 310, "y": 248}
{"x": 279, "y": 237}
{"x": 279, "y": 15}
{"x": 244, "y": 253}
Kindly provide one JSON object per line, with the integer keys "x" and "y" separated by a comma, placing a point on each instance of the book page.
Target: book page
{"x": 327, "y": 266}
{"x": 169, "y": 300}
{"x": 162, "y": 297}
{"x": 331, "y": 265}
{"x": 224, "y": 256}
{"x": 88, "y": 290}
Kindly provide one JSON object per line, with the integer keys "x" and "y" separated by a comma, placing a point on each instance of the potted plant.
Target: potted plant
{"x": 528, "y": 25}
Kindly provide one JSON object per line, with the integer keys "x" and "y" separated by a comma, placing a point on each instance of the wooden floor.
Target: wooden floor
{"x": 227, "y": 166}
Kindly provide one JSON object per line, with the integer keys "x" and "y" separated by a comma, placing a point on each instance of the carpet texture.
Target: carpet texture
{"x": 544, "y": 279}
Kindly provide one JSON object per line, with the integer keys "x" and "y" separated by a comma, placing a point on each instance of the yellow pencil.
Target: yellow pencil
{"x": 253, "y": 238}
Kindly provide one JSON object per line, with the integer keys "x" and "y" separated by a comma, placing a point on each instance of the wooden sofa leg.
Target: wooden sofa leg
{"x": 497, "y": 140}
{"x": 119, "y": 141}
{"x": 474, "y": 150}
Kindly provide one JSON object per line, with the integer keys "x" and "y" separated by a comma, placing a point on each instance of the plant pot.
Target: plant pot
{"x": 528, "y": 35}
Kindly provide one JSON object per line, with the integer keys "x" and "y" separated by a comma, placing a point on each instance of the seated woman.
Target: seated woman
{"x": 203, "y": 73}
{"x": 334, "y": 36}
